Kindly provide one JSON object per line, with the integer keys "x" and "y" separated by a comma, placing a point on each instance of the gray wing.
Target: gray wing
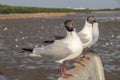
{"x": 95, "y": 33}
{"x": 56, "y": 38}
{"x": 95, "y": 38}
{"x": 58, "y": 50}
{"x": 59, "y": 37}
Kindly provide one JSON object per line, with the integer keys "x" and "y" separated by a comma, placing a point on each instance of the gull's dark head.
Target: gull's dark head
{"x": 69, "y": 25}
{"x": 91, "y": 19}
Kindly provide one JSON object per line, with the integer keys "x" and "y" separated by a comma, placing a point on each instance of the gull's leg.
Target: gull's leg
{"x": 79, "y": 61}
{"x": 86, "y": 56}
{"x": 64, "y": 68}
{"x": 62, "y": 72}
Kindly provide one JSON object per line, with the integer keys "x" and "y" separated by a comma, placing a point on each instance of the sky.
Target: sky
{"x": 92, "y": 4}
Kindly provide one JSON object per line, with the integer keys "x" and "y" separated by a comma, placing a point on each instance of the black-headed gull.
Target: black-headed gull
{"x": 89, "y": 34}
{"x": 62, "y": 50}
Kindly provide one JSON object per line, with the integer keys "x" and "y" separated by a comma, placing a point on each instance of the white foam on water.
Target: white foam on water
{"x": 36, "y": 46}
{"x": 5, "y": 29}
{"x": 43, "y": 20}
{"x": 21, "y": 32}
{"x": 118, "y": 36}
{"x": 111, "y": 43}
{"x": 16, "y": 45}
{"x": 23, "y": 38}
{"x": 16, "y": 39}
{"x": 42, "y": 27}
{"x": 107, "y": 44}
{"x": 112, "y": 35}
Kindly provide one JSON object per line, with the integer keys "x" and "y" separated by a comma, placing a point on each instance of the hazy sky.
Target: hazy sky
{"x": 94, "y": 4}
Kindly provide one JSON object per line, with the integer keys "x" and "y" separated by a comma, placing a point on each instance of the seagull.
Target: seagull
{"x": 62, "y": 50}
{"x": 89, "y": 34}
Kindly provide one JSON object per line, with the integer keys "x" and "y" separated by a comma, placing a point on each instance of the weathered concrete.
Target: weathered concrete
{"x": 93, "y": 69}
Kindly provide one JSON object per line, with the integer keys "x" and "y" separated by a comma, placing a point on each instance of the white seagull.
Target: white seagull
{"x": 89, "y": 34}
{"x": 62, "y": 50}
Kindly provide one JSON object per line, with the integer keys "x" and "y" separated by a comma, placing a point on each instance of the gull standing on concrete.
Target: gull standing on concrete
{"x": 62, "y": 50}
{"x": 89, "y": 34}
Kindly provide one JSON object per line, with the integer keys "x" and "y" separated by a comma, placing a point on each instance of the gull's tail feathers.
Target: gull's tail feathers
{"x": 27, "y": 49}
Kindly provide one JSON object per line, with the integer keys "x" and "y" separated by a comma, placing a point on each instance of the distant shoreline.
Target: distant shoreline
{"x": 33, "y": 15}
{"x": 105, "y": 12}
{"x": 47, "y": 15}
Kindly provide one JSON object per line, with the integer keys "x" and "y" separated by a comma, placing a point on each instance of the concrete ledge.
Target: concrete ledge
{"x": 93, "y": 69}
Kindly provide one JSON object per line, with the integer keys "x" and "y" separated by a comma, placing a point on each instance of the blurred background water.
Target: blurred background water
{"x": 32, "y": 32}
